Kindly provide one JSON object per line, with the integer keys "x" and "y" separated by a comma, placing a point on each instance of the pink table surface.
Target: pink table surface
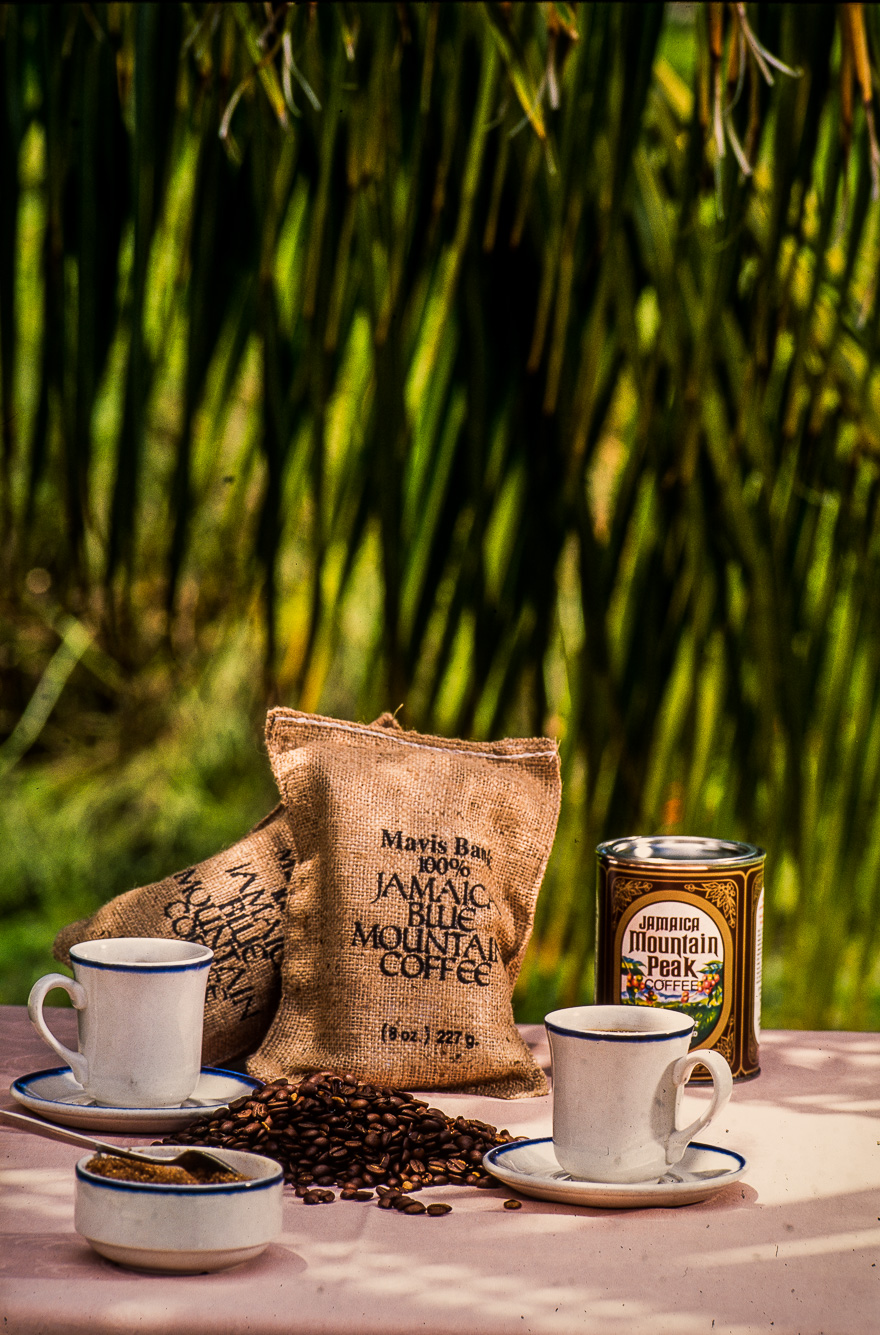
{"x": 794, "y": 1247}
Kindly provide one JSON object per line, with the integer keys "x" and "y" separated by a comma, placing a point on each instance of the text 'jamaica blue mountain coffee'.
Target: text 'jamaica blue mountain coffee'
{"x": 418, "y": 864}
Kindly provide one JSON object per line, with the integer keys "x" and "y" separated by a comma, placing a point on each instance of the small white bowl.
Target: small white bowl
{"x": 179, "y": 1228}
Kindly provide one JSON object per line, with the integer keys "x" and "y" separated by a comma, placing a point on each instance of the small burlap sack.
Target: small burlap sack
{"x": 417, "y": 866}
{"x": 231, "y": 902}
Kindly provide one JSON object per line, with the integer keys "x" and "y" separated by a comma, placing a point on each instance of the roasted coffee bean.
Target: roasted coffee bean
{"x": 439, "y": 1207}
{"x": 513, "y": 1205}
{"x": 332, "y": 1131}
{"x": 356, "y": 1195}
{"x": 414, "y": 1207}
{"x": 318, "y": 1197}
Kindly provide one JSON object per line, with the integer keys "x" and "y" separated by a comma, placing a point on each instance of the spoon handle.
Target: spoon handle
{"x": 62, "y": 1133}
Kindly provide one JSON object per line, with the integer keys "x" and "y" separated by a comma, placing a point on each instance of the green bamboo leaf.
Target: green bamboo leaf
{"x": 449, "y": 267}
{"x": 76, "y": 640}
{"x": 262, "y": 63}
{"x": 514, "y": 59}
{"x": 563, "y": 16}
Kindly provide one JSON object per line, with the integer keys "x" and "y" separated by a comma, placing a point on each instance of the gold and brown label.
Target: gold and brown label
{"x": 688, "y": 940}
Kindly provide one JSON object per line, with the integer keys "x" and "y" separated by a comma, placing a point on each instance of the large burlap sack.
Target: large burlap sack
{"x": 417, "y": 864}
{"x": 231, "y": 902}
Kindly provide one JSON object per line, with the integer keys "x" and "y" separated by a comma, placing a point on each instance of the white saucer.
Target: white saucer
{"x": 531, "y": 1167}
{"x": 56, "y": 1096}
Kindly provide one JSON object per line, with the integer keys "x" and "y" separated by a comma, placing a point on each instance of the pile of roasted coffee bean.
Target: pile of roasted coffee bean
{"x": 332, "y": 1131}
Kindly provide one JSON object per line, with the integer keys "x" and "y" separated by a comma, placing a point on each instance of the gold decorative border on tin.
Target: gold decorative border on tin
{"x": 625, "y": 889}
{"x": 624, "y": 892}
{"x": 724, "y": 1045}
{"x": 721, "y": 893}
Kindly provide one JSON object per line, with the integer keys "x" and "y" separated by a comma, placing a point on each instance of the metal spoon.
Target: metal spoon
{"x": 197, "y": 1162}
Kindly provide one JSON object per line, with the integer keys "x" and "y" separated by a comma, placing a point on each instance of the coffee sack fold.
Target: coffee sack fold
{"x": 417, "y": 865}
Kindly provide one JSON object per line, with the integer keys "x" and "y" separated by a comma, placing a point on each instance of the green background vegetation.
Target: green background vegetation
{"x": 436, "y": 357}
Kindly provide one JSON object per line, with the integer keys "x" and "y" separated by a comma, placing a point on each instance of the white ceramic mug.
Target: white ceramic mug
{"x": 140, "y": 1005}
{"x": 618, "y": 1075}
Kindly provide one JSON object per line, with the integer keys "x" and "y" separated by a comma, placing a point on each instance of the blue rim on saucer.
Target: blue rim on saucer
{"x": 55, "y": 1095}
{"x": 530, "y": 1167}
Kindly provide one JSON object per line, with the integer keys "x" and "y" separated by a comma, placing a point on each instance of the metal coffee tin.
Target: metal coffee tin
{"x": 680, "y": 924}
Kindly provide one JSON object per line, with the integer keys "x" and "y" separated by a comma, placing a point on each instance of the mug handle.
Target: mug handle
{"x": 722, "y": 1088}
{"x": 75, "y": 1060}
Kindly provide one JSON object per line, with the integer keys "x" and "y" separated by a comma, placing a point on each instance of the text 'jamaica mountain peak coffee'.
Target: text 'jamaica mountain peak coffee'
{"x": 680, "y": 925}
{"x": 418, "y": 864}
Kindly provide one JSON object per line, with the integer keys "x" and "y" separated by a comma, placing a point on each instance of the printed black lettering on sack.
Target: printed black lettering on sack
{"x": 439, "y": 931}
{"x": 236, "y": 928}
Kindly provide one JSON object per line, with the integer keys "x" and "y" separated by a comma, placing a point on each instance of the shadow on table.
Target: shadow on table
{"x": 747, "y": 1265}
{"x": 66, "y": 1256}
{"x": 834, "y": 1073}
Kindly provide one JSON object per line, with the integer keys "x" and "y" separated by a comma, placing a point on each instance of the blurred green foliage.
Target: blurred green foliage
{"x": 515, "y": 365}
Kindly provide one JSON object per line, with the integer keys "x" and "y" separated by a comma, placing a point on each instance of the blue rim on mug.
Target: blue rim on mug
{"x": 598, "y": 1035}
{"x": 204, "y": 960}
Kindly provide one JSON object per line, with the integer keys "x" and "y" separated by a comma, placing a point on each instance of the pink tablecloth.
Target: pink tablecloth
{"x": 794, "y": 1247}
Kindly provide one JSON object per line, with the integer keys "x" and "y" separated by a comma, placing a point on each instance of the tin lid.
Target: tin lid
{"x": 673, "y": 849}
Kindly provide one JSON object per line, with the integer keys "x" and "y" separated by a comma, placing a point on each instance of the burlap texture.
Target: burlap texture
{"x": 231, "y": 902}
{"x": 418, "y": 862}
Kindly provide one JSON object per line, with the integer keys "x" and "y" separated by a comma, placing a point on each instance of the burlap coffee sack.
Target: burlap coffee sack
{"x": 231, "y": 902}
{"x": 417, "y": 866}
